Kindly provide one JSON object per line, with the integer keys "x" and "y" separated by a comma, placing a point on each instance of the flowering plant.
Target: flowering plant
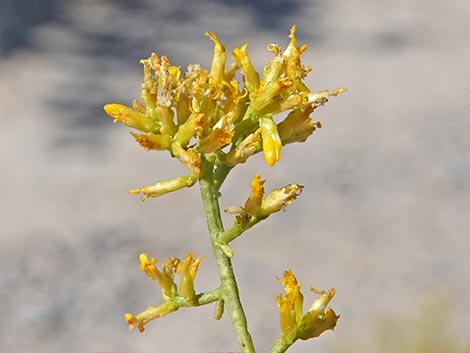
{"x": 211, "y": 123}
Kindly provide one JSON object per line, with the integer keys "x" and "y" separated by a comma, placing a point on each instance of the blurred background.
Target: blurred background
{"x": 384, "y": 216}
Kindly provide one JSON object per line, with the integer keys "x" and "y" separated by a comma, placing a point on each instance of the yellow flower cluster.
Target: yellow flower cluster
{"x": 204, "y": 112}
{"x": 294, "y": 323}
{"x": 173, "y": 295}
{"x": 260, "y": 207}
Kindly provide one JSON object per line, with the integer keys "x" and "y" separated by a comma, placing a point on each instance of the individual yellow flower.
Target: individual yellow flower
{"x": 249, "y": 73}
{"x": 297, "y": 126}
{"x": 193, "y": 126}
{"x": 294, "y": 69}
{"x": 318, "y": 318}
{"x": 166, "y": 186}
{"x": 148, "y": 92}
{"x": 165, "y": 116}
{"x": 151, "y": 141}
{"x": 253, "y": 203}
{"x": 235, "y": 104}
{"x": 271, "y": 141}
{"x": 256, "y": 206}
{"x": 131, "y": 118}
{"x": 151, "y": 313}
{"x": 290, "y": 307}
{"x": 172, "y": 295}
{"x": 164, "y": 278}
{"x": 296, "y": 325}
{"x": 274, "y": 70}
{"x": 217, "y": 72}
{"x": 187, "y": 271}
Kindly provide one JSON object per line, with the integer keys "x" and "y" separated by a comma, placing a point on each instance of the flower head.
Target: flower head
{"x": 174, "y": 296}
{"x": 208, "y": 111}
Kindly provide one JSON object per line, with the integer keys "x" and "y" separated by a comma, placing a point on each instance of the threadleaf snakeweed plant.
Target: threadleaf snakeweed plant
{"x": 211, "y": 123}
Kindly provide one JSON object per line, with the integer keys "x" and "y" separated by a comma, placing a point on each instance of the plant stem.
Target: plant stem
{"x": 209, "y": 192}
{"x": 280, "y": 347}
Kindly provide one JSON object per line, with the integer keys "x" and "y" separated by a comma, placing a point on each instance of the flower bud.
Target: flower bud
{"x": 187, "y": 271}
{"x": 151, "y": 141}
{"x": 131, "y": 118}
{"x": 271, "y": 141}
{"x": 165, "y": 187}
{"x": 151, "y": 313}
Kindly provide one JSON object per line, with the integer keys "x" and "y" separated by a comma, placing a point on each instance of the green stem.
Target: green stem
{"x": 280, "y": 347}
{"x": 209, "y": 193}
{"x": 238, "y": 229}
{"x": 201, "y": 299}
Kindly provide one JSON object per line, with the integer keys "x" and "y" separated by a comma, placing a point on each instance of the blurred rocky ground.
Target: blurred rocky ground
{"x": 383, "y": 217}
